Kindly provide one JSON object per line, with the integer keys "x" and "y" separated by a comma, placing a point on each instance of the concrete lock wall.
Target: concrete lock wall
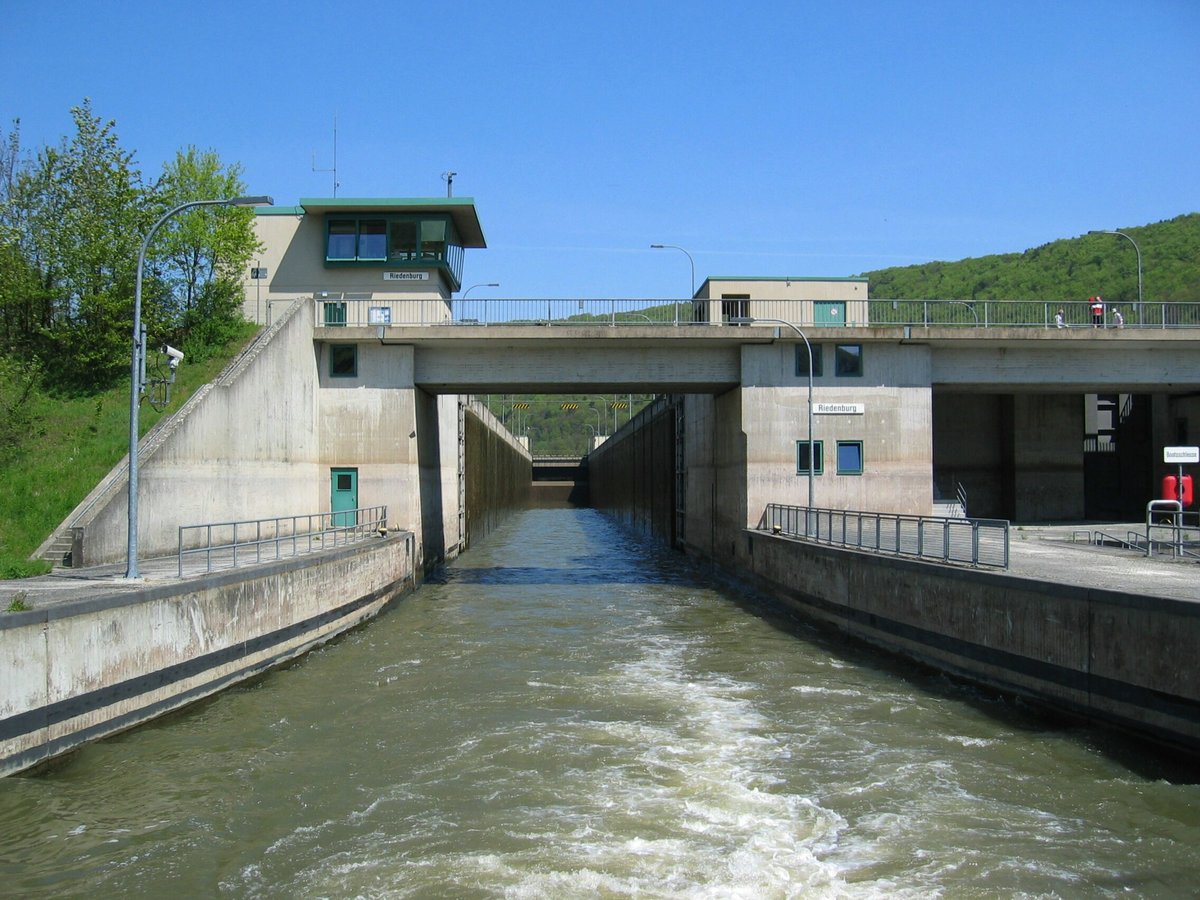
{"x": 1124, "y": 660}
{"x": 498, "y": 477}
{"x": 632, "y": 478}
{"x": 1121, "y": 659}
{"x": 80, "y": 670}
{"x": 247, "y": 441}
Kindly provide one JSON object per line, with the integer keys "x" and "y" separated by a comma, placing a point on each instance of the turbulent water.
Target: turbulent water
{"x": 566, "y": 712}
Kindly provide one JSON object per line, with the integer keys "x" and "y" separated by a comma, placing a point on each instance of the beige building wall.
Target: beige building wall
{"x": 293, "y": 254}
{"x": 888, "y": 409}
{"x": 790, "y": 299}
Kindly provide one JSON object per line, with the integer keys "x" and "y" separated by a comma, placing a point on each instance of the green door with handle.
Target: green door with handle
{"x": 343, "y": 499}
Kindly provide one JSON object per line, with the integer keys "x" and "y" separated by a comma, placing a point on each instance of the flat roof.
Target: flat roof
{"x": 859, "y": 278}
{"x": 460, "y": 209}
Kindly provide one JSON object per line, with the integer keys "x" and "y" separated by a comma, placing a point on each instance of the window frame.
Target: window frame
{"x": 818, "y": 359}
{"x": 446, "y": 252}
{"x": 862, "y": 463}
{"x": 840, "y": 353}
{"x": 334, "y": 371}
{"x": 820, "y": 454}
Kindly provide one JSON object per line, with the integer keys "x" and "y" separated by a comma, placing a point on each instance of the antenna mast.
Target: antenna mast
{"x": 448, "y": 177}
{"x": 336, "y": 183}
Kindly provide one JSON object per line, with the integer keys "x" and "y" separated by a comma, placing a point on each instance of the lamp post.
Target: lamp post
{"x": 1138, "y": 251}
{"x": 690, "y": 262}
{"x": 135, "y": 386}
{"x": 812, "y": 454}
{"x": 472, "y": 287}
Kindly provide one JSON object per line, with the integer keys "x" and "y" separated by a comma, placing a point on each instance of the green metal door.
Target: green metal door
{"x": 343, "y": 499}
{"x": 829, "y": 312}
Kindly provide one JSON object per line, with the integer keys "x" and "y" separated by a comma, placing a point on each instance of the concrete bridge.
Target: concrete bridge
{"x": 1030, "y": 424}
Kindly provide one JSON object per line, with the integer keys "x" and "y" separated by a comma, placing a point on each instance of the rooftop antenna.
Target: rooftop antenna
{"x": 336, "y": 183}
{"x": 448, "y": 177}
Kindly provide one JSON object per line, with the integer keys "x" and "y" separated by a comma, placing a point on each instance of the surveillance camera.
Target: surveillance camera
{"x": 173, "y": 356}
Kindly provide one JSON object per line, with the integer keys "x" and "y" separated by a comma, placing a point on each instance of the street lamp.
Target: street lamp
{"x": 472, "y": 287}
{"x": 691, "y": 261}
{"x": 135, "y": 386}
{"x": 1138, "y": 251}
{"x": 812, "y": 450}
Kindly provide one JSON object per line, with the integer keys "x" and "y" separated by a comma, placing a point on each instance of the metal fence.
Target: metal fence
{"x": 1169, "y": 528}
{"x": 337, "y": 310}
{"x": 973, "y": 542}
{"x": 226, "y": 545}
{"x": 1031, "y": 314}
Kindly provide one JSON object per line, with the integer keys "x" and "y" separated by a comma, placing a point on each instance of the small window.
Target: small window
{"x": 372, "y": 239}
{"x": 433, "y": 239}
{"x": 341, "y": 239}
{"x": 343, "y": 360}
{"x": 848, "y": 360}
{"x": 849, "y": 458}
{"x": 802, "y": 361}
{"x": 802, "y": 457}
{"x": 402, "y": 240}
{"x": 345, "y": 481}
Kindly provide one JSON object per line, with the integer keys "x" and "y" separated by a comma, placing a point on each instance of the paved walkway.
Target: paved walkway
{"x": 1046, "y": 553}
{"x": 67, "y": 585}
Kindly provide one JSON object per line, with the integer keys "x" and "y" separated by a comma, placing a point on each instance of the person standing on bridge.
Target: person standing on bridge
{"x": 1058, "y": 319}
{"x": 1097, "y": 304}
{"x": 1118, "y": 319}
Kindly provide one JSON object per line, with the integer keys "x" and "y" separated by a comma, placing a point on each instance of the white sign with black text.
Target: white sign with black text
{"x": 839, "y": 409}
{"x": 1181, "y": 455}
{"x": 405, "y": 276}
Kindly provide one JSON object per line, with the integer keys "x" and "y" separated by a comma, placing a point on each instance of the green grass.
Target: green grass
{"x": 71, "y": 445}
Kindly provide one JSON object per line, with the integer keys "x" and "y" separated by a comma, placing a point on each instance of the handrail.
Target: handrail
{"x": 1177, "y": 527}
{"x": 974, "y": 542}
{"x": 220, "y": 542}
{"x": 335, "y": 310}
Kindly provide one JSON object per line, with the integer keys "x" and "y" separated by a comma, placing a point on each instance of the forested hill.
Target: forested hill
{"x": 1072, "y": 268}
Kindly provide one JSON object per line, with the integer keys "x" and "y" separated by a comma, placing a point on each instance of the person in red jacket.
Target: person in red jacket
{"x": 1097, "y": 305}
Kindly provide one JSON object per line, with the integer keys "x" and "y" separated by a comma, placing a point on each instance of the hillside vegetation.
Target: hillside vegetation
{"x": 1063, "y": 270}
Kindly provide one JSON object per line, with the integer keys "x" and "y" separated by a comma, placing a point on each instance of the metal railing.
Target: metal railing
{"x": 1177, "y": 531}
{"x": 349, "y": 310}
{"x": 1030, "y": 314}
{"x": 226, "y": 545}
{"x": 973, "y": 542}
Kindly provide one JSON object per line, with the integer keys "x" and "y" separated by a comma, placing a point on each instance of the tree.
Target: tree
{"x": 74, "y": 217}
{"x": 203, "y": 252}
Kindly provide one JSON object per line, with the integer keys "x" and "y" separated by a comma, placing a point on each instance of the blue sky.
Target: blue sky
{"x": 804, "y": 138}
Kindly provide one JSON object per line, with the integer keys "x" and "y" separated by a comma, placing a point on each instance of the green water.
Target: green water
{"x": 567, "y": 712}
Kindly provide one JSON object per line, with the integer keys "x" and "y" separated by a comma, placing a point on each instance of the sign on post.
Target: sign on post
{"x": 1181, "y": 455}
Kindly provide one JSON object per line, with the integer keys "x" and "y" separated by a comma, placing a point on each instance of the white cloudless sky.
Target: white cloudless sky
{"x": 766, "y": 138}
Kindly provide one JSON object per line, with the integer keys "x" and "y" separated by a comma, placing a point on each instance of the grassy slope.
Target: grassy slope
{"x": 73, "y": 444}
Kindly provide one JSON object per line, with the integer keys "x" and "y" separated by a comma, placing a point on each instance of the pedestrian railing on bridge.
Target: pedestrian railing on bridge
{"x": 227, "y": 545}
{"x": 973, "y": 542}
{"x": 336, "y": 310}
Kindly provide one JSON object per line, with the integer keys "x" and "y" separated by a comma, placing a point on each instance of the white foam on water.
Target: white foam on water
{"x": 688, "y": 804}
